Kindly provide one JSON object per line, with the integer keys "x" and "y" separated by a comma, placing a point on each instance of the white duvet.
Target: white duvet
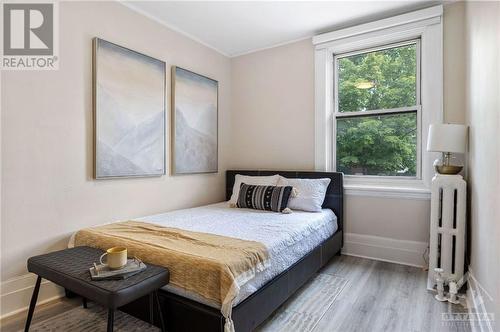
{"x": 288, "y": 237}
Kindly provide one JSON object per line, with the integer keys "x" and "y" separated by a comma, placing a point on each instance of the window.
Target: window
{"x": 377, "y": 111}
{"x": 378, "y": 87}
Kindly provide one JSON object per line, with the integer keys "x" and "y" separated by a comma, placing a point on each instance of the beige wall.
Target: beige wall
{"x": 47, "y": 189}
{"x": 454, "y": 63}
{"x": 482, "y": 30}
{"x": 400, "y": 219}
{"x": 273, "y": 111}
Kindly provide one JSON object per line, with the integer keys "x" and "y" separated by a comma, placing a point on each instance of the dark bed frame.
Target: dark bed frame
{"x": 183, "y": 314}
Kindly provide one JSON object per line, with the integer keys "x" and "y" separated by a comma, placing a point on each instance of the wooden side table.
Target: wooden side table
{"x": 69, "y": 268}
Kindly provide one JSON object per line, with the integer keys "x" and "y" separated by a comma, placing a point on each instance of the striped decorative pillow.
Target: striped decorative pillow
{"x": 270, "y": 198}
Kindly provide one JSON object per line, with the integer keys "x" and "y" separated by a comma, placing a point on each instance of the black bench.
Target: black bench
{"x": 69, "y": 268}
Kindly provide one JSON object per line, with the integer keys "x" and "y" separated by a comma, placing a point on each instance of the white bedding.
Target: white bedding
{"x": 288, "y": 237}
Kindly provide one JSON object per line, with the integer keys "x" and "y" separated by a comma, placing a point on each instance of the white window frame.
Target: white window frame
{"x": 426, "y": 27}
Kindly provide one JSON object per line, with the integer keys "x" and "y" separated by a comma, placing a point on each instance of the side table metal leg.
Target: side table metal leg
{"x": 34, "y": 297}
{"x": 84, "y": 300}
{"x": 151, "y": 308}
{"x": 160, "y": 313}
{"x": 111, "y": 318}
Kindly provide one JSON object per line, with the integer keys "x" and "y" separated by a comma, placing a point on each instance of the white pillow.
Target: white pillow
{"x": 271, "y": 180}
{"x": 310, "y": 193}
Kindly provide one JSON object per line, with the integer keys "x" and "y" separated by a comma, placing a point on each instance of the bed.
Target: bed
{"x": 298, "y": 245}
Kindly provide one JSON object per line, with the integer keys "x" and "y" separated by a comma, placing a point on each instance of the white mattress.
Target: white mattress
{"x": 288, "y": 237}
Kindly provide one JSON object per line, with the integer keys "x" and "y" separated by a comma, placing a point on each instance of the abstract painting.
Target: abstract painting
{"x": 129, "y": 112}
{"x": 194, "y": 132}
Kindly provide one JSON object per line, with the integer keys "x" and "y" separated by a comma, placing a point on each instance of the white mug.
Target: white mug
{"x": 116, "y": 258}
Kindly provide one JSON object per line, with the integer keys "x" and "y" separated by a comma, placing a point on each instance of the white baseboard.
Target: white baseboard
{"x": 385, "y": 249}
{"x": 15, "y": 294}
{"x": 478, "y": 302}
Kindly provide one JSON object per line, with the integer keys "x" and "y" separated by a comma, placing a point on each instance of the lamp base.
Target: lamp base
{"x": 448, "y": 169}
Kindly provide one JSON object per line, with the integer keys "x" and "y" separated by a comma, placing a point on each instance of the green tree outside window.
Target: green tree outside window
{"x": 384, "y": 144}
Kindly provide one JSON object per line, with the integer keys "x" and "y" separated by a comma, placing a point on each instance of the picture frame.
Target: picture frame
{"x": 194, "y": 121}
{"x": 129, "y": 112}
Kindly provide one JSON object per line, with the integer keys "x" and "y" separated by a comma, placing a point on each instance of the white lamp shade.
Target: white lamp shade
{"x": 447, "y": 138}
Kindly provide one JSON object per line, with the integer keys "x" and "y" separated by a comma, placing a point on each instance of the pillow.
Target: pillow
{"x": 310, "y": 193}
{"x": 258, "y": 180}
{"x": 269, "y": 198}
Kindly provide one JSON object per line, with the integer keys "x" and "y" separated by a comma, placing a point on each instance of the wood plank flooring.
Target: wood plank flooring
{"x": 42, "y": 312}
{"x": 379, "y": 296}
{"x": 384, "y": 296}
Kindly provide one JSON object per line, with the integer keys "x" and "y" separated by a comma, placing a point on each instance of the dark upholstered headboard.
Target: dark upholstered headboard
{"x": 334, "y": 198}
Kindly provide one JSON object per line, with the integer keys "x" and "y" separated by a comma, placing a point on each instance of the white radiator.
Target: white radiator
{"x": 447, "y": 240}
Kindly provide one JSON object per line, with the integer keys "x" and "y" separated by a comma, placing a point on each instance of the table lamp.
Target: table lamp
{"x": 447, "y": 138}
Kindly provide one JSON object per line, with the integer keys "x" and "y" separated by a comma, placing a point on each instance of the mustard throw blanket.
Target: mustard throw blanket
{"x": 212, "y": 266}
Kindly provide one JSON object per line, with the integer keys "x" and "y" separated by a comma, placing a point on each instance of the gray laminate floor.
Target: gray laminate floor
{"x": 378, "y": 296}
{"x": 384, "y": 296}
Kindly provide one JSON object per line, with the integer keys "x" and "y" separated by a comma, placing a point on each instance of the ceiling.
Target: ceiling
{"x": 240, "y": 27}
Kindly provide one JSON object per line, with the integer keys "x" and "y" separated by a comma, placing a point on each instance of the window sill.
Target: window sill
{"x": 417, "y": 191}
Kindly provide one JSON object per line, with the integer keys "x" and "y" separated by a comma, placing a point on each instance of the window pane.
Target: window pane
{"x": 378, "y": 145}
{"x": 378, "y": 80}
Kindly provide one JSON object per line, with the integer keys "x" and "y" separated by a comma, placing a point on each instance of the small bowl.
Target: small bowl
{"x": 448, "y": 169}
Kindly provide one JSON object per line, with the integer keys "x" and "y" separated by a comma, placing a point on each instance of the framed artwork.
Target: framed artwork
{"x": 129, "y": 112}
{"x": 194, "y": 122}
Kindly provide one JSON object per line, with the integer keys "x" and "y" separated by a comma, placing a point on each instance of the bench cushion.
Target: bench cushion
{"x": 69, "y": 268}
